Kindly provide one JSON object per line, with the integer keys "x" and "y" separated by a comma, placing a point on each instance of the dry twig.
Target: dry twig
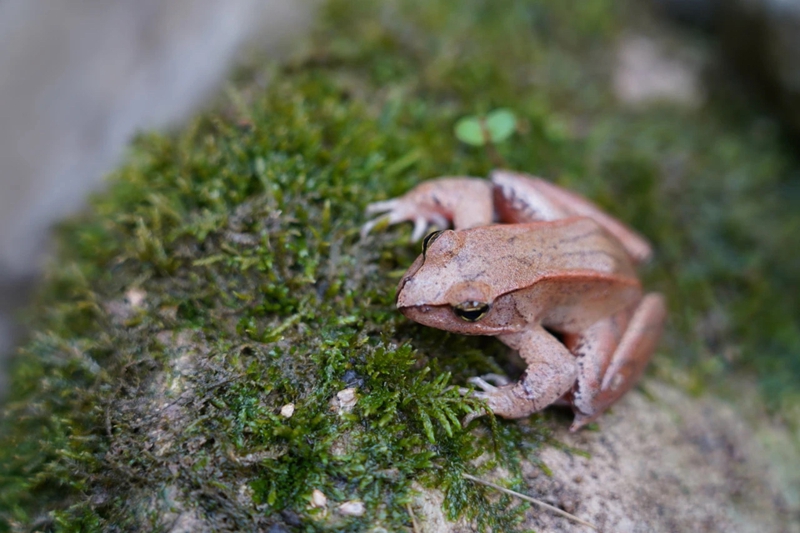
{"x": 532, "y": 500}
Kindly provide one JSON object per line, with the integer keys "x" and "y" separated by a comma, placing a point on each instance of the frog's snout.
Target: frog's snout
{"x": 416, "y": 310}
{"x": 407, "y": 278}
{"x": 429, "y": 315}
{"x": 400, "y": 288}
{"x": 404, "y": 299}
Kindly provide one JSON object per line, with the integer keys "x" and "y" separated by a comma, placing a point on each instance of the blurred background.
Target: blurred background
{"x": 79, "y": 78}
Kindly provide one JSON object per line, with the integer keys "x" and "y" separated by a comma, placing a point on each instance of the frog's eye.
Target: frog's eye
{"x": 471, "y": 311}
{"x": 427, "y": 241}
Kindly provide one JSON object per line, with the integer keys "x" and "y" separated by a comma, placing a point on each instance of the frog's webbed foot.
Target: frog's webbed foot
{"x": 403, "y": 210}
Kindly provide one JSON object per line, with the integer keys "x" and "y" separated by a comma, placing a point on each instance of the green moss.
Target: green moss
{"x": 242, "y": 234}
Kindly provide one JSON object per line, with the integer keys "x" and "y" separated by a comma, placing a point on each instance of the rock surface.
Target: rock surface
{"x": 663, "y": 462}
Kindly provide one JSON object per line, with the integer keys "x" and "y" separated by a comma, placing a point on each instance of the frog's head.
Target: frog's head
{"x": 447, "y": 288}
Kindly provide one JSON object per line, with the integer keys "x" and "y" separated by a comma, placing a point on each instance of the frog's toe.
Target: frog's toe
{"x": 369, "y": 226}
{"x": 472, "y": 416}
{"x": 582, "y": 420}
{"x": 482, "y": 384}
{"x": 497, "y": 380}
{"x": 483, "y": 396}
{"x": 391, "y": 216}
{"x": 420, "y": 227}
{"x": 382, "y": 207}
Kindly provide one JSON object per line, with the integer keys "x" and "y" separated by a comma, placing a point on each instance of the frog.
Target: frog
{"x": 542, "y": 269}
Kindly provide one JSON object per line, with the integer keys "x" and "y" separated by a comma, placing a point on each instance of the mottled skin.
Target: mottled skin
{"x": 556, "y": 281}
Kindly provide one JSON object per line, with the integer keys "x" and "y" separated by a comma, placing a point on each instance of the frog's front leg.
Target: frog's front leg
{"x": 551, "y": 372}
{"x": 464, "y": 202}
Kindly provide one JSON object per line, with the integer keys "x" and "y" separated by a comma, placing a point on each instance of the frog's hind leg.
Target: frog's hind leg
{"x": 522, "y": 198}
{"x": 611, "y": 356}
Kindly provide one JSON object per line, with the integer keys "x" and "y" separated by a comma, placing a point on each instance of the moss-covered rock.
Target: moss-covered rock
{"x": 221, "y": 278}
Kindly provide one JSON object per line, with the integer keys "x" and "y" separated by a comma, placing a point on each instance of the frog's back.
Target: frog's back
{"x": 564, "y": 263}
{"x": 511, "y": 257}
{"x": 566, "y": 274}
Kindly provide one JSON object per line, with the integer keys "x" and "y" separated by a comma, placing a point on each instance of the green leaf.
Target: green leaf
{"x": 442, "y": 418}
{"x": 495, "y": 127}
{"x": 427, "y": 426}
{"x": 468, "y": 130}
{"x": 501, "y": 123}
{"x": 453, "y": 417}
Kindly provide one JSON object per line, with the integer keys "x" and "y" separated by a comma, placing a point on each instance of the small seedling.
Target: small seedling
{"x": 493, "y": 128}
{"x": 487, "y": 130}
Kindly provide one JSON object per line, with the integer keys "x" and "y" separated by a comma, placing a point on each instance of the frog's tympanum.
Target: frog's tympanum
{"x": 543, "y": 270}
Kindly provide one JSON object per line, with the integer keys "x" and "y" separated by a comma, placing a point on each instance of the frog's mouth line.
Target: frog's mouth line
{"x": 442, "y": 317}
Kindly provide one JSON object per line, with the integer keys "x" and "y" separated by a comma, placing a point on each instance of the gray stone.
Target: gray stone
{"x": 79, "y": 78}
{"x": 664, "y": 462}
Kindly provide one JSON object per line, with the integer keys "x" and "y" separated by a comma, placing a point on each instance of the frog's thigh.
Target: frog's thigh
{"x": 550, "y": 373}
{"x": 611, "y": 356}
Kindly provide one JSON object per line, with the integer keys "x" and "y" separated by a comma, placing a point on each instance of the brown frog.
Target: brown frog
{"x": 543, "y": 270}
